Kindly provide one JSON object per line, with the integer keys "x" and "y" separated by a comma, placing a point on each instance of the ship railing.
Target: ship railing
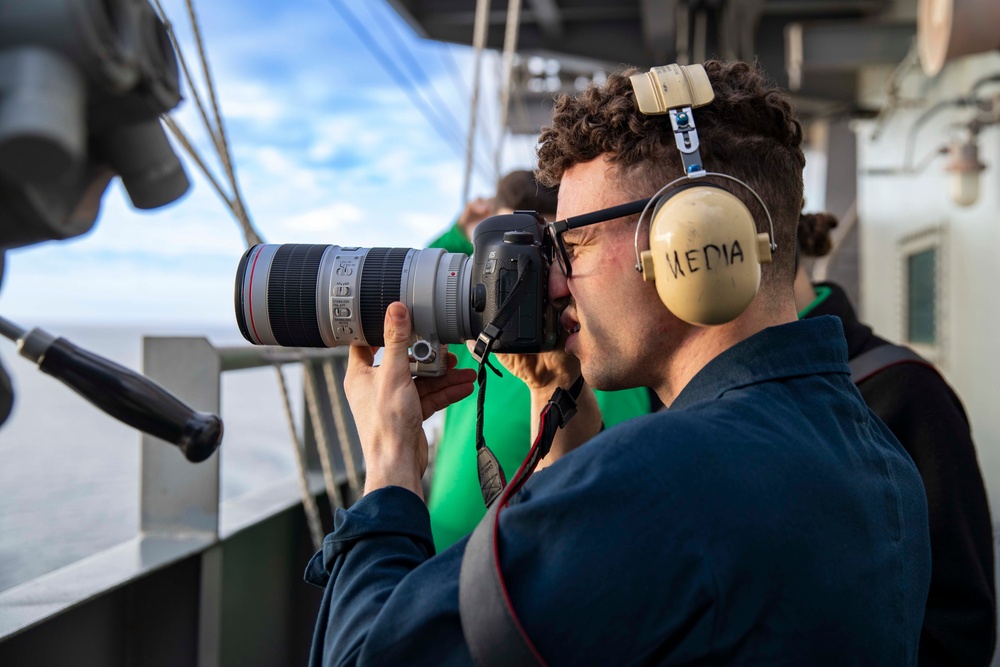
{"x": 181, "y": 516}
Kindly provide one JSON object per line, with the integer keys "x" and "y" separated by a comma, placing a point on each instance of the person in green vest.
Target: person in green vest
{"x": 456, "y": 502}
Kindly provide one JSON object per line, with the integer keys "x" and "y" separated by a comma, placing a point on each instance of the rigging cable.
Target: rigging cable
{"x": 338, "y": 400}
{"x": 312, "y": 395}
{"x": 217, "y": 132}
{"x": 308, "y": 500}
{"x": 448, "y": 58}
{"x": 509, "y": 48}
{"x": 400, "y": 78}
{"x": 399, "y": 42}
{"x": 251, "y": 237}
{"x": 478, "y": 42}
{"x": 187, "y": 73}
{"x": 417, "y": 74}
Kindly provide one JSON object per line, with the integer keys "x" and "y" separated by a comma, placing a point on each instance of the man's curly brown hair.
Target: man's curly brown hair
{"x": 749, "y": 131}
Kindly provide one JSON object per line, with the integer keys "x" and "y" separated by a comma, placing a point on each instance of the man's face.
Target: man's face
{"x": 615, "y": 320}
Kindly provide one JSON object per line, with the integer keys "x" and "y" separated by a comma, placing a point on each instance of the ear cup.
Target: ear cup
{"x": 705, "y": 254}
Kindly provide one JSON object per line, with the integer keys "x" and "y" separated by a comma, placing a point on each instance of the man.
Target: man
{"x": 765, "y": 518}
{"x": 924, "y": 413}
{"x": 456, "y": 501}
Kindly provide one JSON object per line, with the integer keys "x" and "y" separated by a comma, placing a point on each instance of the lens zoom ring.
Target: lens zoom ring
{"x": 291, "y": 294}
{"x": 381, "y": 274}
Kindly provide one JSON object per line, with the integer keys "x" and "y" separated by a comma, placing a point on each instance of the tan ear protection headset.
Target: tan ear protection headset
{"x": 704, "y": 249}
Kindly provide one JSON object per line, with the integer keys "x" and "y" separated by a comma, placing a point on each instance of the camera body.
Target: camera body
{"x": 306, "y": 295}
{"x": 503, "y": 246}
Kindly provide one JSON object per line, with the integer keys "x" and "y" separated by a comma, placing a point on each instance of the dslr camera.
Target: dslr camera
{"x": 318, "y": 295}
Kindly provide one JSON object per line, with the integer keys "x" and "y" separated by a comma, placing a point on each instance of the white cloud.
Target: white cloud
{"x": 254, "y": 101}
{"x": 325, "y": 219}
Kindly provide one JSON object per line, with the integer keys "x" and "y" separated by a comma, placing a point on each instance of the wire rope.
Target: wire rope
{"x": 479, "y": 43}
{"x": 236, "y": 205}
{"x": 509, "y": 48}
{"x": 333, "y": 494}
{"x": 234, "y": 202}
{"x": 399, "y": 44}
{"x": 394, "y": 72}
{"x": 337, "y": 401}
{"x": 308, "y": 500}
{"x": 187, "y": 72}
{"x": 447, "y": 56}
{"x": 239, "y": 208}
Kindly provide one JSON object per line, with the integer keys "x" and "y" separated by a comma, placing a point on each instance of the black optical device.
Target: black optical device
{"x": 318, "y": 295}
{"x": 82, "y": 86}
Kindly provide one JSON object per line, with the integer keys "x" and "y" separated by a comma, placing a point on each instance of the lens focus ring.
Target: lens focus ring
{"x": 291, "y": 294}
{"x": 381, "y": 276}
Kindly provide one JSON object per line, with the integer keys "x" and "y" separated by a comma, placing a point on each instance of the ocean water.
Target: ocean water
{"x": 69, "y": 474}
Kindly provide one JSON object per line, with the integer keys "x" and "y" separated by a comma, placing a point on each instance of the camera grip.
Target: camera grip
{"x": 133, "y": 399}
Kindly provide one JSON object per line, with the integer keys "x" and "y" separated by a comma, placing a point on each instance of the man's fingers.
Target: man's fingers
{"x": 360, "y": 357}
{"x": 440, "y": 392}
{"x": 441, "y": 399}
{"x": 455, "y": 376}
{"x": 359, "y": 361}
{"x": 396, "y": 357}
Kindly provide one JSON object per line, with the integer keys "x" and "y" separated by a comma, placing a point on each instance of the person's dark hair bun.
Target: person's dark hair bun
{"x": 814, "y": 233}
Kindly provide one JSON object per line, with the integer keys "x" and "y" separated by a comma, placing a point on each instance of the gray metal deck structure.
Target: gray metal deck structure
{"x": 202, "y": 583}
{"x": 813, "y": 47}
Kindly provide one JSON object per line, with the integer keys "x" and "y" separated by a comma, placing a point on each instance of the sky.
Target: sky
{"x": 328, "y": 149}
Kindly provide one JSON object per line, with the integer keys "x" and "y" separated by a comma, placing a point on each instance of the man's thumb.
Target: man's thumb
{"x": 397, "y": 335}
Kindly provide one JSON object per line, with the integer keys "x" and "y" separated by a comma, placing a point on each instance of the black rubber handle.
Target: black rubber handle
{"x": 134, "y": 399}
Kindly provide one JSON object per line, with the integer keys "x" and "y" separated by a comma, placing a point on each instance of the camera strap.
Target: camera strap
{"x": 491, "y": 476}
{"x": 492, "y": 630}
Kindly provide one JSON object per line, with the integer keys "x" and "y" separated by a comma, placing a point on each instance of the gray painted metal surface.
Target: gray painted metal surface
{"x": 200, "y": 584}
{"x": 176, "y": 497}
{"x": 24, "y": 606}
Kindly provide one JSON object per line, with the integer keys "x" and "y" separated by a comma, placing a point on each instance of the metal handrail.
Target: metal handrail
{"x": 180, "y": 509}
{"x": 241, "y": 357}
